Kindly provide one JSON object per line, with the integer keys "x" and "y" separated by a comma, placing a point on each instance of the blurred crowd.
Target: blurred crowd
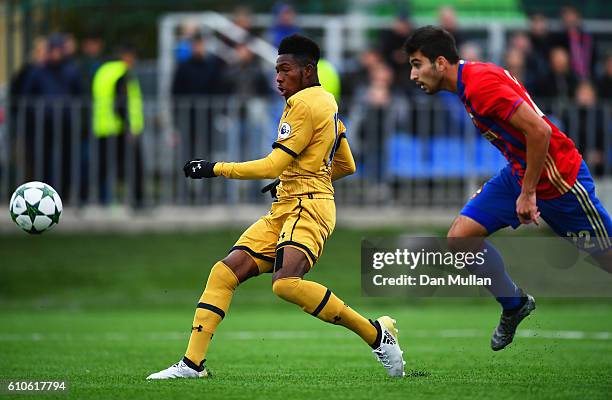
{"x": 373, "y": 88}
{"x": 58, "y": 68}
{"x": 564, "y": 71}
{"x": 550, "y": 65}
{"x": 558, "y": 69}
{"x": 65, "y": 98}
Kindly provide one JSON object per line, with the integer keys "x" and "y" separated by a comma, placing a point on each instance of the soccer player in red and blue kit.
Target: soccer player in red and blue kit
{"x": 545, "y": 175}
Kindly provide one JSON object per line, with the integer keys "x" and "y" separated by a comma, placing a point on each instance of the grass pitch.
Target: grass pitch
{"x": 105, "y": 311}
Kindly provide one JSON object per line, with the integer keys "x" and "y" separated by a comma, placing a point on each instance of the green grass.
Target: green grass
{"x": 104, "y": 311}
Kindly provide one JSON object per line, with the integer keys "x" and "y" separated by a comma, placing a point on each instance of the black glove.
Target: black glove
{"x": 198, "y": 169}
{"x": 271, "y": 187}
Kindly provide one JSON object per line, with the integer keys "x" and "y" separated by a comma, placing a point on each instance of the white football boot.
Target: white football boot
{"x": 180, "y": 370}
{"x": 389, "y": 352}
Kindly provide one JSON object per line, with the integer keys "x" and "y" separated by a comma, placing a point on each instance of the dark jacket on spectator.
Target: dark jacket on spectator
{"x": 53, "y": 80}
{"x": 604, "y": 88}
{"x": 557, "y": 87}
{"x": 198, "y": 77}
{"x": 247, "y": 79}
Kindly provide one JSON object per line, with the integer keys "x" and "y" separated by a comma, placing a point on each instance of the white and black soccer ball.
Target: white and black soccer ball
{"x": 35, "y": 207}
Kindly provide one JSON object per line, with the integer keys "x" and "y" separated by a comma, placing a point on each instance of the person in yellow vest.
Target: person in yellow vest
{"x": 118, "y": 122}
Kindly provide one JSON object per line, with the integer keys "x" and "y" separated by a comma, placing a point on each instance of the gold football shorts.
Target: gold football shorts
{"x": 302, "y": 223}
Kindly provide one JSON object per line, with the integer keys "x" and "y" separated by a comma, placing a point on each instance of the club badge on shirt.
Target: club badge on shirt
{"x": 284, "y": 131}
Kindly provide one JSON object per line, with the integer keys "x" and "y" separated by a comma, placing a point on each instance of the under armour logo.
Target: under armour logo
{"x": 199, "y": 166}
{"x": 336, "y": 319}
{"x": 197, "y": 328}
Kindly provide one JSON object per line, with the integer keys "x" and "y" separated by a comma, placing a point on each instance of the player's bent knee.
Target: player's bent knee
{"x": 286, "y": 288}
{"x": 289, "y": 268}
{"x": 465, "y": 234}
{"x": 466, "y": 227}
{"x": 241, "y": 264}
{"x": 222, "y": 277}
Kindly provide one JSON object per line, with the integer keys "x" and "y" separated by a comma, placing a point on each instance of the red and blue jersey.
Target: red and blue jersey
{"x": 491, "y": 95}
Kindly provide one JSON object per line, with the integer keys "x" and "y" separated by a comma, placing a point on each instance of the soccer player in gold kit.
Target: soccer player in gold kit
{"x": 310, "y": 152}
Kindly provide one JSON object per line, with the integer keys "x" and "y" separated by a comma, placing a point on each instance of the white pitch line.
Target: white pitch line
{"x": 290, "y": 335}
{"x": 571, "y": 335}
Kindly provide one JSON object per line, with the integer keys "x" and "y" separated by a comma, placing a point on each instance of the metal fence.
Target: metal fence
{"x": 421, "y": 151}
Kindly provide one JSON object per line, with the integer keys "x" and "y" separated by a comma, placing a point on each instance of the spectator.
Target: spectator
{"x": 357, "y": 71}
{"x": 195, "y": 79}
{"x": 70, "y": 46}
{"x": 245, "y": 77}
{"x": 379, "y": 90}
{"x": 520, "y": 41}
{"x": 21, "y": 114}
{"x": 579, "y": 43}
{"x": 540, "y": 41}
{"x": 590, "y": 127}
{"x": 69, "y": 60}
{"x": 561, "y": 83}
{"x": 247, "y": 80}
{"x": 242, "y": 17}
{"x": 56, "y": 78}
{"x": 38, "y": 58}
{"x": 200, "y": 74}
{"x": 448, "y": 20}
{"x": 380, "y": 103}
{"x": 604, "y": 85}
{"x": 514, "y": 61}
{"x": 118, "y": 121}
{"x": 90, "y": 60}
{"x": 391, "y": 49}
{"x": 521, "y": 60}
{"x": 470, "y": 51}
{"x": 55, "y": 85}
{"x": 186, "y": 31}
{"x": 284, "y": 23}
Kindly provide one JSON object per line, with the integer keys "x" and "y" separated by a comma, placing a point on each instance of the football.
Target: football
{"x": 35, "y": 207}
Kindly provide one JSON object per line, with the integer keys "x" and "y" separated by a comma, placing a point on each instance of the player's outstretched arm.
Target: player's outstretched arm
{"x": 343, "y": 164}
{"x": 268, "y": 167}
{"x": 537, "y": 136}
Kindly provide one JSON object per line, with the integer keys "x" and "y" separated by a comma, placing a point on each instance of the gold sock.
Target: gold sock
{"x": 212, "y": 307}
{"x": 319, "y": 301}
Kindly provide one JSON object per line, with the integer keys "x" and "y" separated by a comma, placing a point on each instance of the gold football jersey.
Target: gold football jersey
{"x": 309, "y": 130}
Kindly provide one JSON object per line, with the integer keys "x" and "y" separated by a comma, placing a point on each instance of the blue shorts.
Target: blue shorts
{"x": 577, "y": 214}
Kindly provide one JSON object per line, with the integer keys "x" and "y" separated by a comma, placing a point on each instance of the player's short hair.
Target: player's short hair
{"x": 304, "y": 49}
{"x": 433, "y": 42}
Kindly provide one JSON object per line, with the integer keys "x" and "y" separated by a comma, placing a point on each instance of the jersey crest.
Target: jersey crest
{"x": 284, "y": 131}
